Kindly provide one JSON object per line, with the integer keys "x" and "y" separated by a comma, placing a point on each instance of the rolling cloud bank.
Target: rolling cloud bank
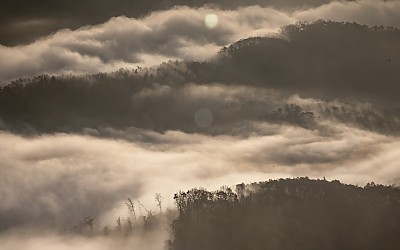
{"x": 177, "y": 33}
{"x": 194, "y": 95}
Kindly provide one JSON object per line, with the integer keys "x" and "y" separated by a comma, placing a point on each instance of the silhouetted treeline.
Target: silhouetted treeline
{"x": 363, "y": 117}
{"x": 293, "y": 114}
{"x": 323, "y": 60}
{"x": 383, "y": 122}
{"x": 288, "y": 214}
{"x": 134, "y": 224}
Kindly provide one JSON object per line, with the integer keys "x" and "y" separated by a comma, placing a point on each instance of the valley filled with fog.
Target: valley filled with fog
{"x": 105, "y": 118}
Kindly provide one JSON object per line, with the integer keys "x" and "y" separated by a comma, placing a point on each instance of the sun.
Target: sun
{"x": 211, "y": 21}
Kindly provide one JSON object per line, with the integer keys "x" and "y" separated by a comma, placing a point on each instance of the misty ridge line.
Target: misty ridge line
{"x": 139, "y": 217}
{"x": 136, "y": 221}
{"x": 60, "y": 179}
{"x": 19, "y": 17}
{"x": 349, "y": 81}
{"x": 161, "y": 101}
{"x": 288, "y": 214}
{"x": 261, "y": 214}
{"x": 127, "y": 42}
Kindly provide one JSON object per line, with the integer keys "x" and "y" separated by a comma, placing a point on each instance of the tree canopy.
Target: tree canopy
{"x": 289, "y": 214}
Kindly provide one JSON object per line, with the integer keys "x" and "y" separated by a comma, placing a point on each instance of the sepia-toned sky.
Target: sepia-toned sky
{"x": 59, "y": 166}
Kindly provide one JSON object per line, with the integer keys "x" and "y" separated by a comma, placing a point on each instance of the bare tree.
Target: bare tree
{"x": 130, "y": 226}
{"x": 159, "y": 200}
{"x": 144, "y": 207}
{"x": 131, "y": 208}
{"x": 89, "y": 222}
{"x": 119, "y": 224}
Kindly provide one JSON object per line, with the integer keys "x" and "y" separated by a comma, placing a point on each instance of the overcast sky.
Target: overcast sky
{"x": 78, "y": 145}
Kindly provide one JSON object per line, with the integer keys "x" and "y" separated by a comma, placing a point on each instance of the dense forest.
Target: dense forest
{"x": 362, "y": 66}
{"x": 288, "y": 214}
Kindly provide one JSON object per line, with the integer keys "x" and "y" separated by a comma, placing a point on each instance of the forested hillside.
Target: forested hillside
{"x": 288, "y": 214}
{"x": 324, "y": 60}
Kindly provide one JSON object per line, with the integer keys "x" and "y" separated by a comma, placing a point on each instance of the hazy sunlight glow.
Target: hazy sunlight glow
{"x": 211, "y": 21}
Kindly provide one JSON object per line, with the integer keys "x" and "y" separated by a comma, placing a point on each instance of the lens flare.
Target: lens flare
{"x": 203, "y": 118}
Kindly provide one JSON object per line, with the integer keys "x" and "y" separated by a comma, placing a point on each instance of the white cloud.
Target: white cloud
{"x": 33, "y": 241}
{"x": 63, "y": 178}
{"x": 368, "y": 12}
{"x": 178, "y": 33}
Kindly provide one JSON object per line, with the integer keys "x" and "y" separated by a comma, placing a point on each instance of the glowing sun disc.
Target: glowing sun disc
{"x": 211, "y": 21}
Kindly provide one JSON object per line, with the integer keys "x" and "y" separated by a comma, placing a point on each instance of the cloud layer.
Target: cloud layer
{"x": 319, "y": 102}
{"x": 178, "y": 33}
{"x": 60, "y": 179}
{"x": 368, "y": 12}
{"x": 24, "y": 22}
